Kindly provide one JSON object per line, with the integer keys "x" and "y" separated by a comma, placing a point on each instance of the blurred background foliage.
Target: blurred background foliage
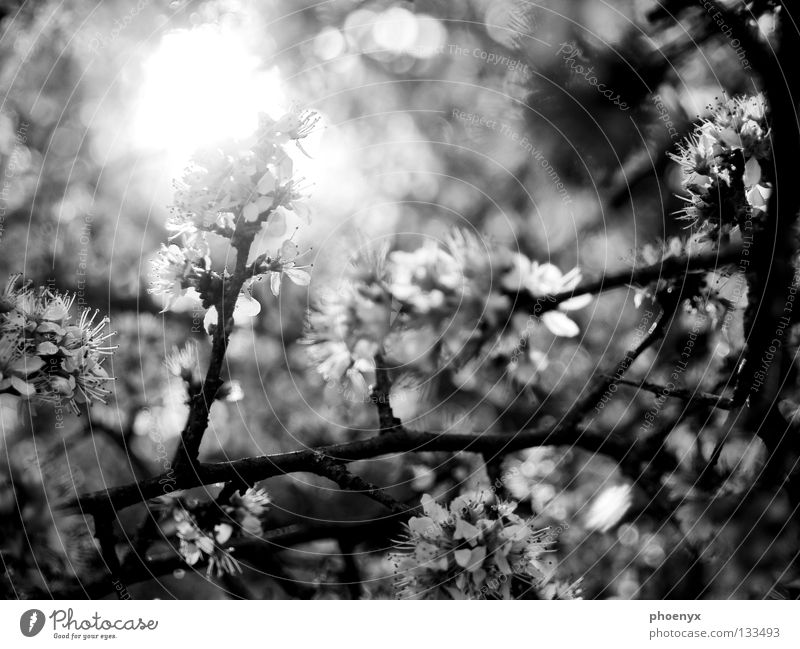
{"x": 433, "y": 114}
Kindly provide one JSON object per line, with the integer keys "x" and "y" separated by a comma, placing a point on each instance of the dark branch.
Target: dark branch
{"x": 337, "y": 472}
{"x": 696, "y": 398}
{"x": 669, "y": 268}
{"x": 380, "y": 394}
{"x": 104, "y": 532}
{"x": 400, "y": 441}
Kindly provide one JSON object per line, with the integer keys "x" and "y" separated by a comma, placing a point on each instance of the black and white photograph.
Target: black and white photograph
{"x": 446, "y": 300}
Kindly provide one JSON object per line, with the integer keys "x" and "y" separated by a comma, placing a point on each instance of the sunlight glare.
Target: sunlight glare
{"x": 201, "y": 86}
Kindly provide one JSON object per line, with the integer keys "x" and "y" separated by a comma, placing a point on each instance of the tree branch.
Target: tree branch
{"x": 577, "y": 413}
{"x": 104, "y": 532}
{"x": 380, "y": 394}
{"x": 695, "y": 398}
{"x": 336, "y": 471}
{"x": 669, "y": 268}
{"x": 401, "y": 441}
{"x": 200, "y": 402}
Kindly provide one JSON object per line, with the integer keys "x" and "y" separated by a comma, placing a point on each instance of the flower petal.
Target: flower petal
{"x": 223, "y": 532}
{"x": 267, "y": 183}
{"x": 250, "y": 212}
{"x": 560, "y": 325}
{"x": 575, "y": 303}
{"x": 298, "y": 276}
{"x": 246, "y": 307}
{"x": 752, "y": 172}
{"x": 28, "y": 364}
{"x": 210, "y": 319}
{"x": 275, "y": 283}
{"x": 25, "y": 389}
{"x": 462, "y": 557}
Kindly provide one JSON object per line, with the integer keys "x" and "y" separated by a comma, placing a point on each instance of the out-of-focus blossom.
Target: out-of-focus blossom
{"x": 424, "y": 278}
{"x": 457, "y": 292}
{"x": 608, "y": 508}
{"x": 184, "y": 362}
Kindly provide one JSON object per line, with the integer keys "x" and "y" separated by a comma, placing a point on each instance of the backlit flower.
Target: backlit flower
{"x": 45, "y": 355}
{"x": 470, "y": 551}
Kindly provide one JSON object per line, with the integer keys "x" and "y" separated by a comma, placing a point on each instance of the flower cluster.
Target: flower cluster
{"x": 251, "y": 178}
{"x": 47, "y": 356}
{"x": 243, "y": 191}
{"x": 196, "y": 544}
{"x": 471, "y": 551}
{"x": 176, "y": 269}
{"x": 726, "y": 167}
{"x": 203, "y": 529}
{"x": 452, "y": 294}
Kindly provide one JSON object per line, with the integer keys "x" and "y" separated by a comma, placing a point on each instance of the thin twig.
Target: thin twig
{"x": 669, "y": 268}
{"x": 336, "y": 471}
{"x": 200, "y": 403}
{"x": 696, "y": 398}
{"x": 380, "y": 395}
{"x": 104, "y": 532}
{"x": 577, "y": 413}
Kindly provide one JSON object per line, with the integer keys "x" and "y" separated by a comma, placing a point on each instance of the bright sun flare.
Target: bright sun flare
{"x": 201, "y": 86}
